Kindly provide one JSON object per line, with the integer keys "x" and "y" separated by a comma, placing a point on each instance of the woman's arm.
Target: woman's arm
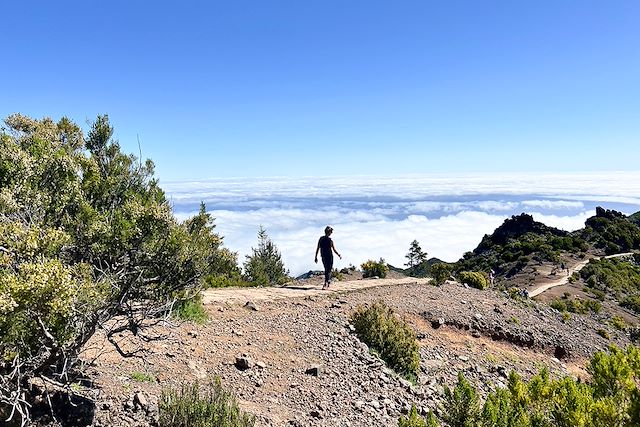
{"x": 334, "y": 250}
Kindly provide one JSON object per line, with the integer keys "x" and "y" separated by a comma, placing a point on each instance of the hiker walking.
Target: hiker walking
{"x": 326, "y": 248}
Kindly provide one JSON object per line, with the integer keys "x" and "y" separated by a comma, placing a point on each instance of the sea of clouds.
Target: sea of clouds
{"x": 378, "y": 217}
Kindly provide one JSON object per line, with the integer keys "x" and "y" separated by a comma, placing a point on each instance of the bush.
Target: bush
{"x": 440, "y": 273}
{"x": 87, "y": 238}
{"x": 462, "y": 405}
{"x": 192, "y": 407}
{"x": 632, "y": 303}
{"x": 618, "y": 323}
{"x": 611, "y": 398}
{"x": 475, "y": 279}
{"x": 415, "y": 420}
{"x": 576, "y": 305}
{"x": 392, "y": 338}
{"x": 375, "y": 269}
{"x": 142, "y": 377}
{"x": 191, "y": 310}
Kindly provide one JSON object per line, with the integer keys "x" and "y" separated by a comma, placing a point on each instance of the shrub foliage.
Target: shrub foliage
{"x": 86, "y": 234}
{"x": 375, "y": 269}
{"x": 610, "y": 398}
{"x": 391, "y": 337}
{"x": 193, "y": 406}
{"x": 475, "y": 279}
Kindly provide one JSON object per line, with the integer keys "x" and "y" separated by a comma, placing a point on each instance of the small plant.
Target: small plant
{"x": 576, "y": 305}
{"x": 191, "y": 310}
{"x": 475, "y": 279}
{"x": 603, "y": 333}
{"x": 142, "y": 377}
{"x": 391, "y": 337}
{"x": 514, "y": 320}
{"x": 415, "y": 420}
{"x": 375, "y": 269}
{"x": 196, "y": 407}
{"x": 618, "y": 323}
{"x": 337, "y": 275}
{"x": 462, "y": 404}
{"x": 440, "y": 273}
{"x": 565, "y": 317}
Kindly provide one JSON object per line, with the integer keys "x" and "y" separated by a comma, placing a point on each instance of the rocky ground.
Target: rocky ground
{"x": 297, "y": 362}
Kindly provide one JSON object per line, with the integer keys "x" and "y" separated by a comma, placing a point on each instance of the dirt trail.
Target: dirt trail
{"x": 564, "y": 280}
{"x": 297, "y": 290}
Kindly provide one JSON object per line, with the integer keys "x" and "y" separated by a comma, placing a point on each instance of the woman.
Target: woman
{"x": 326, "y": 248}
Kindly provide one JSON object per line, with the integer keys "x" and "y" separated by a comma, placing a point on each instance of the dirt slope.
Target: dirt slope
{"x": 483, "y": 333}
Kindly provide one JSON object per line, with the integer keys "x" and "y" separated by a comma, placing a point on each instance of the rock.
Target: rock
{"x": 193, "y": 333}
{"x": 140, "y": 401}
{"x": 435, "y": 324}
{"x": 314, "y": 370}
{"x": 251, "y": 306}
{"x": 463, "y": 358}
{"x": 244, "y": 362}
{"x": 478, "y": 316}
{"x": 560, "y": 352}
{"x": 261, "y": 364}
{"x": 315, "y": 414}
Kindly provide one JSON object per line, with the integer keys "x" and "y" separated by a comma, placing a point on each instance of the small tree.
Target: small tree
{"x": 440, "y": 273}
{"x": 415, "y": 256}
{"x": 264, "y": 266}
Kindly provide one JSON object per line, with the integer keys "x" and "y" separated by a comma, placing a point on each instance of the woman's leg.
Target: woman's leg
{"x": 328, "y": 266}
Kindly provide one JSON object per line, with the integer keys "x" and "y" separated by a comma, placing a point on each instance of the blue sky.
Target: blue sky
{"x": 299, "y": 88}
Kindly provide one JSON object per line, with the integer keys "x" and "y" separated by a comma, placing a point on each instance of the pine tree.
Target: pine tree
{"x": 415, "y": 255}
{"x": 264, "y": 266}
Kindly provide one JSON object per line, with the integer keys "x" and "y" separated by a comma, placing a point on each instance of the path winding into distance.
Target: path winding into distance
{"x": 298, "y": 290}
{"x": 563, "y": 281}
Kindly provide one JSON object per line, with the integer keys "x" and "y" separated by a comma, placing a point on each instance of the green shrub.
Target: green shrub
{"x": 603, "y": 333}
{"x": 461, "y": 405}
{"x": 475, "y": 279}
{"x": 392, "y": 338}
{"x": 375, "y": 269}
{"x": 87, "y": 238}
{"x": 632, "y": 303}
{"x": 142, "y": 377}
{"x": 337, "y": 275}
{"x": 191, "y": 310}
{"x": 618, "y": 323}
{"x": 576, "y": 305}
{"x": 192, "y": 406}
{"x": 415, "y": 420}
{"x": 611, "y": 398}
{"x": 440, "y": 273}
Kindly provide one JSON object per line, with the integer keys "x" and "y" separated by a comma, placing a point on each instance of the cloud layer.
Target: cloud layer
{"x": 378, "y": 217}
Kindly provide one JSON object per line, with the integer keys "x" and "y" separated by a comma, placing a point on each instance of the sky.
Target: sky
{"x": 216, "y": 90}
{"x": 391, "y": 121}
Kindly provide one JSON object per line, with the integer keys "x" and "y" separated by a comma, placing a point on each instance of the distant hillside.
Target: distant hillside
{"x": 421, "y": 270}
{"x": 521, "y": 240}
{"x": 612, "y": 232}
{"x": 518, "y": 241}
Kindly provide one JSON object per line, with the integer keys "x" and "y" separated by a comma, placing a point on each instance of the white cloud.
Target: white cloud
{"x": 553, "y": 204}
{"x": 379, "y": 217}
